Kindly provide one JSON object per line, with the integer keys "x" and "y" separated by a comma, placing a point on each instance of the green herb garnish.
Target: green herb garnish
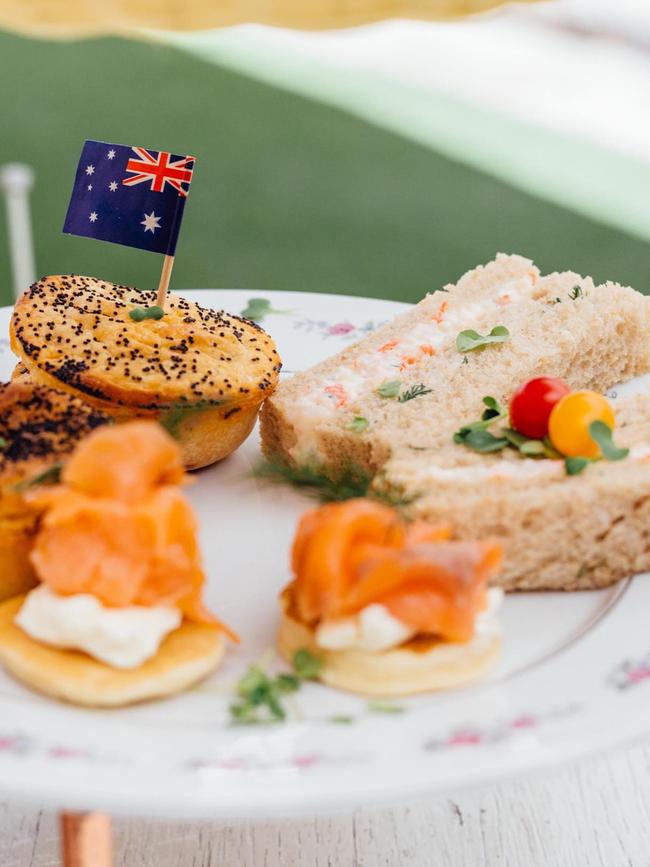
{"x": 514, "y": 437}
{"x": 493, "y": 409}
{"x": 351, "y": 482}
{"x": 261, "y": 695}
{"x": 574, "y": 466}
{"x": 483, "y": 441}
{"x": 341, "y": 719}
{"x": 493, "y": 412}
{"x": 3, "y": 443}
{"x": 551, "y": 451}
{"x": 477, "y": 436}
{"x": 413, "y": 392}
{"x": 576, "y": 292}
{"x": 601, "y": 434}
{"x": 384, "y": 707}
{"x": 258, "y": 308}
{"x": 138, "y": 314}
{"x": 390, "y": 388}
{"x": 470, "y": 339}
{"x": 306, "y": 665}
{"x": 260, "y": 698}
{"x": 288, "y": 683}
{"x": 50, "y": 476}
{"x": 358, "y": 424}
{"x": 531, "y": 448}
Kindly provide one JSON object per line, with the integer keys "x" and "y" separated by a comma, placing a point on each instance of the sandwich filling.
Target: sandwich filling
{"x": 343, "y": 388}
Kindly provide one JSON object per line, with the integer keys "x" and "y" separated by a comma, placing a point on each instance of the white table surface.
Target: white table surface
{"x": 596, "y": 814}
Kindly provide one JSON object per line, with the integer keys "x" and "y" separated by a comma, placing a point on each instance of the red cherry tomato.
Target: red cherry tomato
{"x": 532, "y": 403}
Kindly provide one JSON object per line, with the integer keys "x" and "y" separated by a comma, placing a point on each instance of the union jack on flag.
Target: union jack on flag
{"x": 160, "y": 170}
{"x": 129, "y": 195}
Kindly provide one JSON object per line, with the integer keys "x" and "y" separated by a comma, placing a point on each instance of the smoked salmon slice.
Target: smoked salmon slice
{"x": 119, "y": 528}
{"x": 349, "y": 555}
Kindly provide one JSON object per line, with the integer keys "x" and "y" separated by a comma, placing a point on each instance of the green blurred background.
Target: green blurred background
{"x": 288, "y": 193}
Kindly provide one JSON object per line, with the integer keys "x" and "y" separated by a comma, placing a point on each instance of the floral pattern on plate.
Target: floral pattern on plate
{"x": 344, "y": 329}
{"x": 631, "y": 672}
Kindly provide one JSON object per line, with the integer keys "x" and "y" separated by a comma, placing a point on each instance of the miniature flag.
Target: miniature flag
{"x": 129, "y": 195}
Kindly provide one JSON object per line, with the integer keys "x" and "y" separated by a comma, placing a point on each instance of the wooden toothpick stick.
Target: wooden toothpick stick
{"x": 165, "y": 277}
{"x": 86, "y": 840}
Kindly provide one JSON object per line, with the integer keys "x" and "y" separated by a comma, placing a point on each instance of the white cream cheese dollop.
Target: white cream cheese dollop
{"x": 120, "y": 637}
{"x": 374, "y": 628}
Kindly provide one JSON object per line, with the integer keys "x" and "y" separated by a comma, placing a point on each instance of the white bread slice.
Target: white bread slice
{"x": 593, "y": 341}
{"x": 559, "y": 532}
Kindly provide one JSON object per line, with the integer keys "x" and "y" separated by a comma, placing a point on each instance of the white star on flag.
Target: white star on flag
{"x": 90, "y": 186}
{"x": 93, "y": 217}
{"x": 90, "y": 170}
{"x": 112, "y": 186}
{"x": 111, "y": 154}
{"x": 151, "y": 222}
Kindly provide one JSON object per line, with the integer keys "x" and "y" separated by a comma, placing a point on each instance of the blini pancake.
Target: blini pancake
{"x": 185, "y": 657}
{"x": 420, "y": 665}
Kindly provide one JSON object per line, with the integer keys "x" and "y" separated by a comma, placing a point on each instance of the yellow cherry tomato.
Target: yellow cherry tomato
{"x": 568, "y": 424}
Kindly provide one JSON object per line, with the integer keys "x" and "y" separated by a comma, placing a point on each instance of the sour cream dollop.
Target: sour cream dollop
{"x": 121, "y": 637}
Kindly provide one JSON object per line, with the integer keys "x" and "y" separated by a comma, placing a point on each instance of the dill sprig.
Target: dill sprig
{"x": 50, "y": 476}
{"x": 353, "y": 481}
{"x": 413, "y": 392}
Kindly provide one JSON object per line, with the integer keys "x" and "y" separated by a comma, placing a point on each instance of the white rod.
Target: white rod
{"x": 16, "y": 180}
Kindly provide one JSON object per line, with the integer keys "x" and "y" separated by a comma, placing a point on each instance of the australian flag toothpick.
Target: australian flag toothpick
{"x": 129, "y": 195}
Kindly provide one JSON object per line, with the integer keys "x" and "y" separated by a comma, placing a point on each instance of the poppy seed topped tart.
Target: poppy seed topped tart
{"x": 203, "y": 373}
{"x": 39, "y": 427}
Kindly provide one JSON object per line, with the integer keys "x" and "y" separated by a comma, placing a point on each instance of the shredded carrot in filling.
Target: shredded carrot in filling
{"x": 349, "y": 555}
{"x": 440, "y": 314}
{"x": 427, "y": 349}
{"x": 406, "y": 361}
{"x": 118, "y": 526}
{"x": 388, "y": 346}
{"x": 338, "y": 391}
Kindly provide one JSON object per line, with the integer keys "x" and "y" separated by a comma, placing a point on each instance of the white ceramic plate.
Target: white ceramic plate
{"x": 574, "y": 676}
